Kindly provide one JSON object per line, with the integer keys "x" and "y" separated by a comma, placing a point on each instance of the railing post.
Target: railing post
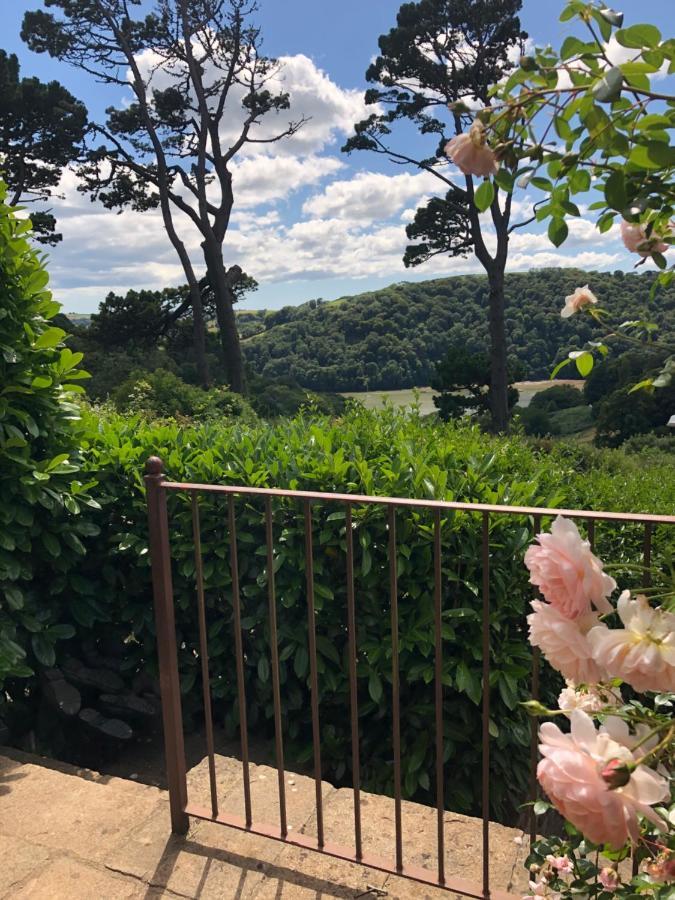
{"x": 165, "y": 626}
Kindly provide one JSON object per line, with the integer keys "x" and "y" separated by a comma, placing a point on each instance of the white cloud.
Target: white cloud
{"x": 265, "y": 179}
{"x": 330, "y": 110}
{"x": 371, "y": 196}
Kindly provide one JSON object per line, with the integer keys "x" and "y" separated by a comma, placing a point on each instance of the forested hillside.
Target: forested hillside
{"x": 392, "y": 338}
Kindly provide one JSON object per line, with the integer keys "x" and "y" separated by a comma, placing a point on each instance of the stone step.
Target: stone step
{"x": 463, "y": 834}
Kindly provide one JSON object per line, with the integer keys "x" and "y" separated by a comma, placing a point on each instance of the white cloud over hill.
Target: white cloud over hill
{"x": 303, "y": 211}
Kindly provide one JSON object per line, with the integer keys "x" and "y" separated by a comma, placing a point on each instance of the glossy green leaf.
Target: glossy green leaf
{"x": 484, "y": 196}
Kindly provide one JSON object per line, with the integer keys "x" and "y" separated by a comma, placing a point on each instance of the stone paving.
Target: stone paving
{"x": 73, "y": 834}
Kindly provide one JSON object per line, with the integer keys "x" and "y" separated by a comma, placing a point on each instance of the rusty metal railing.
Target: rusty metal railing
{"x": 181, "y": 809}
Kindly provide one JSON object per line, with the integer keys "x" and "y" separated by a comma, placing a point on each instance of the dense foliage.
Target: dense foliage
{"x": 109, "y": 596}
{"x": 42, "y": 128}
{"x": 394, "y": 337}
{"x": 462, "y": 380}
{"x": 620, "y": 412}
{"x": 41, "y": 521}
{"x": 579, "y": 120}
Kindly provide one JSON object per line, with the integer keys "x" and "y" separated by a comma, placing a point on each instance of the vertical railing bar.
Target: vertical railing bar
{"x": 438, "y": 687}
{"x": 203, "y": 651}
{"x": 395, "y": 687}
{"x": 646, "y": 582}
{"x": 486, "y": 704}
{"x": 239, "y": 652}
{"x": 353, "y": 694}
{"x": 167, "y": 650}
{"x": 276, "y": 690}
{"x": 590, "y": 527}
{"x": 647, "y": 555}
{"x": 534, "y": 725}
{"x": 313, "y": 674}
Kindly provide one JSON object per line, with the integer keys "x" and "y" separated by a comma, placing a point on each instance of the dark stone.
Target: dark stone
{"x": 127, "y": 706}
{"x": 99, "y": 660}
{"x": 102, "y": 680}
{"x": 4, "y": 732}
{"x": 101, "y": 725}
{"x": 145, "y": 684}
{"x": 58, "y": 694}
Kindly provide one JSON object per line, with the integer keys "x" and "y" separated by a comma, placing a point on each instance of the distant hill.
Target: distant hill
{"x": 392, "y": 338}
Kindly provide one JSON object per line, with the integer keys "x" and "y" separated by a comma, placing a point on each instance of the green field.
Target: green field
{"x": 424, "y": 396}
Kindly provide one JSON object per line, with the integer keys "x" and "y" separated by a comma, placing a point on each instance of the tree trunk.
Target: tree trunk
{"x": 224, "y": 298}
{"x": 499, "y": 379}
{"x": 199, "y": 335}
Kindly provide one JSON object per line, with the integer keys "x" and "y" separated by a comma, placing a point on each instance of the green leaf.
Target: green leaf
{"x": 615, "y": 191}
{"x": 608, "y": 89}
{"x": 43, "y": 649}
{"x": 484, "y": 196}
{"x": 580, "y": 181}
{"x": 14, "y": 597}
{"x": 639, "y": 36}
{"x": 375, "y": 687}
{"x": 504, "y": 179}
{"x": 49, "y": 338}
{"x": 541, "y": 807}
{"x": 583, "y": 361}
{"x": 41, "y": 381}
{"x": 301, "y": 662}
{"x": 653, "y": 155}
{"x": 557, "y": 231}
{"x": 263, "y": 669}
{"x": 561, "y": 365}
{"x": 51, "y": 543}
{"x": 571, "y": 46}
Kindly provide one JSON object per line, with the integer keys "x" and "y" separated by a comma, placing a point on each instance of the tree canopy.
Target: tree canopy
{"x": 394, "y": 337}
{"x": 437, "y": 64}
{"x": 42, "y": 127}
{"x": 201, "y": 87}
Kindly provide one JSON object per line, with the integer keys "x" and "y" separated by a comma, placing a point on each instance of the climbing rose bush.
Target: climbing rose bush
{"x": 606, "y": 766}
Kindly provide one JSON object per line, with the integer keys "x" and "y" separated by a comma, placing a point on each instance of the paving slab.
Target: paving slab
{"x": 19, "y": 859}
{"x": 69, "y": 833}
{"x": 72, "y": 879}
{"x": 72, "y": 814}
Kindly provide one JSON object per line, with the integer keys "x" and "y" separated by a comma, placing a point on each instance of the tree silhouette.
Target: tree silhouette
{"x": 201, "y": 88}
{"x": 441, "y": 54}
{"x": 41, "y": 131}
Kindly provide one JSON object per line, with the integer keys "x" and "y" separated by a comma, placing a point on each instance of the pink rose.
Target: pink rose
{"x": 643, "y": 652}
{"x": 471, "y": 154}
{"x": 592, "y": 699}
{"x": 636, "y": 240}
{"x": 567, "y": 573}
{"x": 609, "y": 879}
{"x": 582, "y": 296}
{"x": 564, "y": 643}
{"x": 562, "y": 864}
{"x": 571, "y": 774}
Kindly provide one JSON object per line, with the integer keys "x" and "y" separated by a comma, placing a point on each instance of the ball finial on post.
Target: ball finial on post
{"x": 154, "y": 466}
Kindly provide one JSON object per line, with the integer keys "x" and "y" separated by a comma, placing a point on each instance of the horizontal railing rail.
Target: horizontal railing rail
{"x": 158, "y": 487}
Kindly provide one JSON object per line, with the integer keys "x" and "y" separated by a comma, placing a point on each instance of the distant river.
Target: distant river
{"x": 373, "y": 399}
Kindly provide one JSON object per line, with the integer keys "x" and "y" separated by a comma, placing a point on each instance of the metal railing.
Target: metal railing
{"x": 181, "y": 809}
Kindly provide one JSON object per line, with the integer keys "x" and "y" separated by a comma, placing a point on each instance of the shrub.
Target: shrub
{"x": 42, "y": 497}
{"x": 384, "y": 452}
{"x": 571, "y": 420}
{"x": 535, "y": 420}
{"x": 559, "y": 396}
{"x": 284, "y": 397}
{"x": 650, "y": 443}
{"x": 162, "y": 394}
{"x": 622, "y": 415}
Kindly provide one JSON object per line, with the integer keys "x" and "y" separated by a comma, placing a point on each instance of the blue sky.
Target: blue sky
{"x": 308, "y": 221}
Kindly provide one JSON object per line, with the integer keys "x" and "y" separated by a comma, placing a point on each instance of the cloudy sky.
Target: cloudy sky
{"x": 308, "y": 221}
